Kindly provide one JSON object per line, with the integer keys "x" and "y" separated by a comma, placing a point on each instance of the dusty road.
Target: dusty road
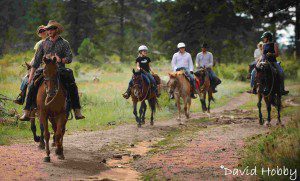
{"x": 197, "y": 154}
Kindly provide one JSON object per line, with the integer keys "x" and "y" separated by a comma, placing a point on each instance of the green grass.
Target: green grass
{"x": 279, "y": 148}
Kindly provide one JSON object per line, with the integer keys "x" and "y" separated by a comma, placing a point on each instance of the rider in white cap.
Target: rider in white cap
{"x": 143, "y": 64}
{"x": 182, "y": 60}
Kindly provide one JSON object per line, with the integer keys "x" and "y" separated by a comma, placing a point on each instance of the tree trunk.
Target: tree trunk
{"x": 297, "y": 31}
{"x": 122, "y": 30}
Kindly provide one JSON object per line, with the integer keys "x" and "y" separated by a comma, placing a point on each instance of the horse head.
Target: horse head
{"x": 138, "y": 82}
{"x": 50, "y": 74}
{"x": 173, "y": 82}
{"x": 201, "y": 72}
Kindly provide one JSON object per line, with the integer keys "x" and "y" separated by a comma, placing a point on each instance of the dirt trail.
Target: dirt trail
{"x": 96, "y": 155}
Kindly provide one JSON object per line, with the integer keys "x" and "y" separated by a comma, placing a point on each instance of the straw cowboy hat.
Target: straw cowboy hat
{"x": 53, "y": 23}
{"x": 40, "y": 28}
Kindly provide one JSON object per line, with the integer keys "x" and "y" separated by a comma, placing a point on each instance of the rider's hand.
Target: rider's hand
{"x": 57, "y": 58}
{"x": 269, "y": 54}
{"x": 191, "y": 72}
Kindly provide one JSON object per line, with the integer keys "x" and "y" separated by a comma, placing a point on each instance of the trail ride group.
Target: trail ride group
{"x": 49, "y": 89}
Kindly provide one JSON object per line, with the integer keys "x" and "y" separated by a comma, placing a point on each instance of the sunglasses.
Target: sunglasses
{"x": 41, "y": 31}
{"x": 52, "y": 28}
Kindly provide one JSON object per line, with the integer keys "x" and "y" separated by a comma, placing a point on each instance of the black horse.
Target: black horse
{"x": 268, "y": 82}
{"x": 140, "y": 92}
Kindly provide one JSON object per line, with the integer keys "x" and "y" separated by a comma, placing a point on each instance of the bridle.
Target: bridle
{"x": 173, "y": 86}
{"x": 265, "y": 79}
{"x": 51, "y": 93}
{"x": 139, "y": 84}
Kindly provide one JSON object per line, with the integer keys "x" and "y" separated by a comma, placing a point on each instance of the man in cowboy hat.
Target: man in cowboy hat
{"x": 42, "y": 33}
{"x": 205, "y": 59}
{"x": 53, "y": 46}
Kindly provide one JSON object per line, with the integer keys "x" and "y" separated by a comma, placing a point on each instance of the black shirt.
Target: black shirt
{"x": 144, "y": 63}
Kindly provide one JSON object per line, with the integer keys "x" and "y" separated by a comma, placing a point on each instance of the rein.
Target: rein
{"x": 146, "y": 95}
{"x": 51, "y": 93}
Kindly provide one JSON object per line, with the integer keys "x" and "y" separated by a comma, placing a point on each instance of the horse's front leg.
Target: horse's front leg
{"x": 210, "y": 97}
{"x": 278, "y": 106}
{"x": 53, "y": 123}
{"x": 33, "y": 129}
{"x": 261, "y": 121}
{"x": 203, "y": 102}
{"x": 188, "y": 101}
{"x": 61, "y": 121}
{"x": 42, "y": 142}
{"x": 268, "y": 103}
{"x": 152, "y": 103}
{"x": 136, "y": 114}
{"x": 178, "y": 107}
{"x": 44, "y": 121}
{"x": 142, "y": 112}
{"x": 185, "y": 102}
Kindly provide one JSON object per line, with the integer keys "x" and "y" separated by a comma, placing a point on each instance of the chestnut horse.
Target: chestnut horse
{"x": 204, "y": 87}
{"x": 51, "y": 104}
{"x": 180, "y": 86}
{"x": 140, "y": 92}
{"x": 268, "y": 88}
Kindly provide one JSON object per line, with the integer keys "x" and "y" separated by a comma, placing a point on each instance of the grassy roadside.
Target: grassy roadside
{"x": 280, "y": 147}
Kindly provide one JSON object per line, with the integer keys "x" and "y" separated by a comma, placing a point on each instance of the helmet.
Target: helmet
{"x": 143, "y": 47}
{"x": 181, "y": 45}
{"x": 268, "y": 35}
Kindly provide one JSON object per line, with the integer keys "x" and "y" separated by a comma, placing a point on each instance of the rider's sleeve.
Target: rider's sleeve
{"x": 191, "y": 64}
{"x": 211, "y": 61}
{"x": 174, "y": 62}
{"x": 198, "y": 60}
{"x": 38, "y": 56}
{"x": 68, "y": 52}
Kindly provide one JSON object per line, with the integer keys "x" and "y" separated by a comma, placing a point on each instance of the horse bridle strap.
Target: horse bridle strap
{"x": 52, "y": 92}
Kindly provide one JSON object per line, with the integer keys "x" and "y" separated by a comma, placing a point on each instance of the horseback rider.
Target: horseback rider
{"x": 182, "y": 60}
{"x": 257, "y": 57}
{"x": 53, "y": 46}
{"x": 42, "y": 33}
{"x": 205, "y": 59}
{"x": 270, "y": 52}
{"x": 143, "y": 64}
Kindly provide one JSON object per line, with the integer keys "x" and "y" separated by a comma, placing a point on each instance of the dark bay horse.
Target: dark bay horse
{"x": 140, "y": 92}
{"x": 181, "y": 87}
{"x": 204, "y": 86}
{"x": 51, "y": 105}
{"x": 268, "y": 88}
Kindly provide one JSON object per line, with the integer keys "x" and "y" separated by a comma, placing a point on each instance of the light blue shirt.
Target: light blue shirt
{"x": 204, "y": 60}
{"x": 182, "y": 60}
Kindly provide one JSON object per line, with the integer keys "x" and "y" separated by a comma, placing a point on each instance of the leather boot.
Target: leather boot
{"x": 78, "y": 114}
{"x": 25, "y": 116}
{"x": 126, "y": 94}
{"x": 20, "y": 99}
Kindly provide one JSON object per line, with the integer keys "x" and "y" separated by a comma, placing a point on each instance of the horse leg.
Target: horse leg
{"x": 42, "y": 142}
{"x": 33, "y": 129}
{"x": 209, "y": 100}
{"x": 185, "y": 108}
{"x": 178, "y": 107}
{"x": 203, "y": 102}
{"x": 59, "y": 136}
{"x": 44, "y": 121}
{"x": 142, "y": 112}
{"x": 278, "y": 106}
{"x": 261, "y": 121}
{"x": 268, "y": 103}
{"x": 152, "y": 103}
{"x": 54, "y": 129}
{"x": 135, "y": 113}
{"x": 188, "y": 106}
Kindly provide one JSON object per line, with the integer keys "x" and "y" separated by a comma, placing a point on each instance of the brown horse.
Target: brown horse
{"x": 51, "y": 104}
{"x": 180, "y": 86}
{"x": 204, "y": 87}
{"x": 140, "y": 92}
{"x": 268, "y": 88}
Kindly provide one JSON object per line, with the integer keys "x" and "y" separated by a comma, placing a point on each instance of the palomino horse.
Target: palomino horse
{"x": 141, "y": 91}
{"x": 204, "y": 87}
{"x": 180, "y": 86}
{"x": 51, "y": 104}
{"x": 269, "y": 89}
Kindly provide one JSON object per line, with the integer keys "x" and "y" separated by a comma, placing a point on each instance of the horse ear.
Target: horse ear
{"x": 27, "y": 65}
{"x": 133, "y": 71}
{"x": 171, "y": 75}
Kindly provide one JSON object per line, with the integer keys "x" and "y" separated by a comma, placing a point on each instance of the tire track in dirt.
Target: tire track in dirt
{"x": 86, "y": 151}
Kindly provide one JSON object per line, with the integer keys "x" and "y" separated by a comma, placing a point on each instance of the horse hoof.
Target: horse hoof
{"x": 41, "y": 146}
{"x": 47, "y": 159}
{"x": 139, "y": 125}
{"x": 53, "y": 145}
{"x": 61, "y": 157}
{"x": 37, "y": 139}
{"x": 143, "y": 122}
{"x": 268, "y": 124}
{"x": 261, "y": 122}
{"x": 151, "y": 123}
{"x": 280, "y": 124}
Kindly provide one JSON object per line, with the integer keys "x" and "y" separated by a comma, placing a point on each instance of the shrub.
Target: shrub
{"x": 87, "y": 52}
{"x": 290, "y": 69}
